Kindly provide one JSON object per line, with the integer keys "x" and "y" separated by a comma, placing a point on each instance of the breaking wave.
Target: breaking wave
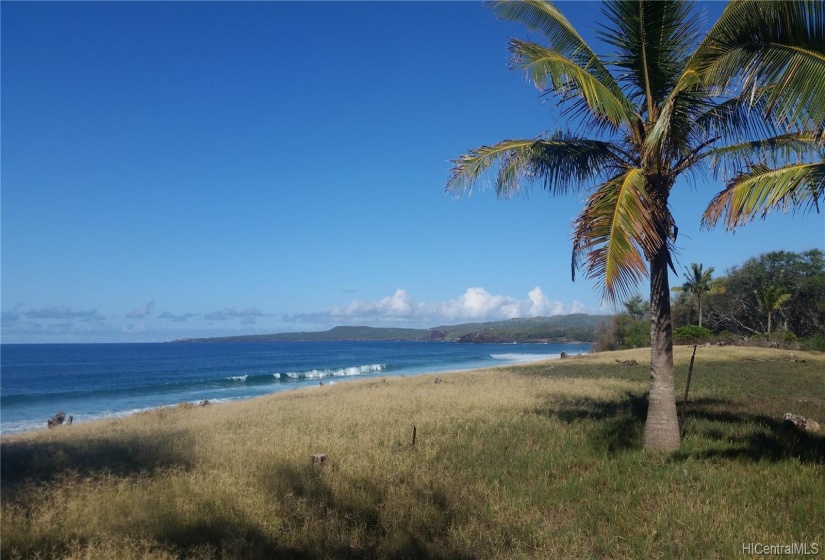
{"x": 306, "y": 374}
{"x": 524, "y": 358}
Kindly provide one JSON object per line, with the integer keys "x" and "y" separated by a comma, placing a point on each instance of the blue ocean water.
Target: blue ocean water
{"x": 91, "y": 381}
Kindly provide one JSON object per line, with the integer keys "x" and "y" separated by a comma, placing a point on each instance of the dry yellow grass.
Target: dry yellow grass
{"x": 539, "y": 461}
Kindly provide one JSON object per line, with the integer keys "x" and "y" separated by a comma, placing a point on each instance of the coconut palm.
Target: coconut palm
{"x": 746, "y": 100}
{"x": 770, "y": 299}
{"x": 698, "y": 282}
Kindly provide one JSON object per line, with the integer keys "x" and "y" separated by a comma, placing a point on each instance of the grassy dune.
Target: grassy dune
{"x": 533, "y": 461}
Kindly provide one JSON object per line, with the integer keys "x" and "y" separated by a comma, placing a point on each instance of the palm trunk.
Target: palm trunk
{"x": 662, "y": 426}
{"x": 700, "y": 309}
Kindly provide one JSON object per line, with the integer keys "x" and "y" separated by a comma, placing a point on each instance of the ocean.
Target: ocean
{"x": 92, "y": 381}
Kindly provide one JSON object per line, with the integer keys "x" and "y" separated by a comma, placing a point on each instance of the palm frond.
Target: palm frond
{"x": 762, "y": 189}
{"x": 775, "y": 151}
{"x": 543, "y": 16}
{"x": 780, "y": 44}
{"x": 698, "y": 280}
{"x": 738, "y": 118}
{"x": 560, "y": 164}
{"x": 766, "y": 60}
{"x": 653, "y": 41}
{"x": 551, "y": 70}
{"x": 615, "y": 234}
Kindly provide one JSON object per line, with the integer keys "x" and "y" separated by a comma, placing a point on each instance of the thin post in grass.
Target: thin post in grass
{"x": 687, "y": 388}
{"x": 413, "y": 435}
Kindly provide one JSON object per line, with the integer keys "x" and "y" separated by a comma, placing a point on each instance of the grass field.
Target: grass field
{"x": 533, "y": 461}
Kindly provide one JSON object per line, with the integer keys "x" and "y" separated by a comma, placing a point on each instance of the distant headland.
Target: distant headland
{"x": 576, "y": 327}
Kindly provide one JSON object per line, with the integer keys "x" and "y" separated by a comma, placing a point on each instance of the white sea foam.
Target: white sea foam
{"x": 237, "y": 377}
{"x": 340, "y": 372}
{"x": 524, "y": 358}
{"x": 276, "y": 375}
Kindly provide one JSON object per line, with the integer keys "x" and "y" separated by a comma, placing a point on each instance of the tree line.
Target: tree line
{"x": 776, "y": 297}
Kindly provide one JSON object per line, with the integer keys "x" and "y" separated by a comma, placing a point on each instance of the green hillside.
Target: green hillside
{"x": 561, "y": 328}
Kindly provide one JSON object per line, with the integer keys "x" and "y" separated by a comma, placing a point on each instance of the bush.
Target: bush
{"x": 622, "y": 332}
{"x": 816, "y": 342}
{"x": 691, "y": 334}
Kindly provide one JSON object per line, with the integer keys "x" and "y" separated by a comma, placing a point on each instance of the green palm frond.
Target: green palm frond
{"x": 543, "y": 16}
{"x": 775, "y": 151}
{"x": 698, "y": 280}
{"x": 771, "y": 298}
{"x": 548, "y": 69}
{"x": 738, "y": 118}
{"x": 762, "y": 189}
{"x": 615, "y": 233}
{"x": 653, "y": 39}
{"x": 559, "y": 163}
{"x": 689, "y": 85}
{"x": 738, "y": 135}
{"x": 767, "y": 59}
{"x": 781, "y": 44}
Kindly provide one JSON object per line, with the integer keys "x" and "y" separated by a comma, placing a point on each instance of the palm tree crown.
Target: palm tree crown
{"x": 770, "y": 299}
{"x": 698, "y": 282}
{"x": 747, "y": 100}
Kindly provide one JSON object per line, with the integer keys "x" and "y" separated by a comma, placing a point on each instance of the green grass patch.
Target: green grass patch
{"x": 535, "y": 461}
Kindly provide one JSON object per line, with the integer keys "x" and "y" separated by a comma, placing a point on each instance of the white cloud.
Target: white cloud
{"x": 231, "y": 313}
{"x": 141, "y": 312}
{"x": 182, "y": 318}
{"x": 475, "y": 304}
{"x": 400, "y": 304}
{"x": 61, "y": 312}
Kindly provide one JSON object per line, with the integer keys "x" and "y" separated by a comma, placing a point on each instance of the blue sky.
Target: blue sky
{"x": 203, "y": 169}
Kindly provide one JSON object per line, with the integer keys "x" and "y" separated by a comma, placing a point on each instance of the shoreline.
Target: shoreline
{"x": 233, "y": 400}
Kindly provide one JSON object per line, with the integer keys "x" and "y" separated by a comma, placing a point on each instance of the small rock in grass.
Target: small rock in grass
{"x": 802, "y": 423}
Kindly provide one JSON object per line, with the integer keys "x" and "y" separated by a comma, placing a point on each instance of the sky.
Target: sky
{"x": 175, "y": 170}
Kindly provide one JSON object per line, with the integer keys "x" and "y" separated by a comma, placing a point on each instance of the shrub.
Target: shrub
{"x": 691, "y": 334}
{"x": 816, "y": 342}
{"x": 622, "y": 332}
{"x": 727, "y": 337}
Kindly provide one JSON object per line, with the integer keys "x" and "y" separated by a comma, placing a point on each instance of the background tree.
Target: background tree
{"x": 698, "y": 282}
{"x": 747, "y": 99}
{"x": 637, "y": 307}
{"x": 770, "y": 299}
{"x": 800, "y": 274}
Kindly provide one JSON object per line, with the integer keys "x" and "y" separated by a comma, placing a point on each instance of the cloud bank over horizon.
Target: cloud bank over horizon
{"x": 56, "y": 323}
{"x": 475, "y": 304}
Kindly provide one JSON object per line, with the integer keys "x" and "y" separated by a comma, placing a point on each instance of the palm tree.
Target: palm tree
{"x": 770, "y": 299}
{"x": 698, "y": 282}
{"x": 747, "y": 99}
